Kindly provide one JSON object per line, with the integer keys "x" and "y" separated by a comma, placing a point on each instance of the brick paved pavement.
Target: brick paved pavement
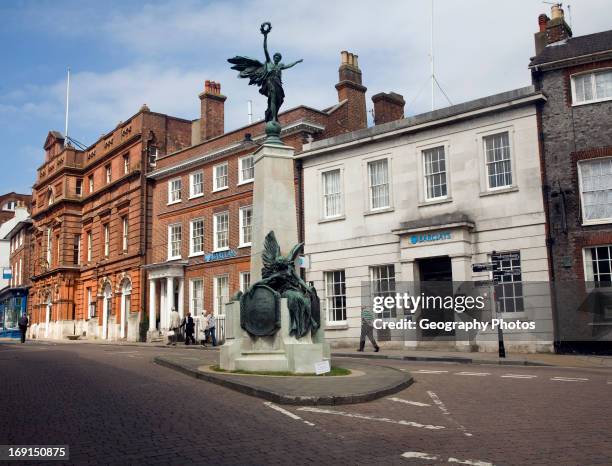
{"x": 112, "y": 405}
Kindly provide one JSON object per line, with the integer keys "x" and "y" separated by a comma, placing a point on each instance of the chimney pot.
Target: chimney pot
{"x": 212, "y": 112}
{"x": 556, "y": 11}
{"x": 351, "y": 90}
{"x": 542, "y": 22}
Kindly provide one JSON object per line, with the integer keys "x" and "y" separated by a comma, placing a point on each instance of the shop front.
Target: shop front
{"x": 13, "y": 304}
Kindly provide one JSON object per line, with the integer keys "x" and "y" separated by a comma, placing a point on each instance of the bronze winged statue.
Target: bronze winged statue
{"x": 268, "y": 77}
{"x": 278, "y": 274}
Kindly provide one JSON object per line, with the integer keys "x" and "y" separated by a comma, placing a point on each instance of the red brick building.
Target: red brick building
{"x": 90, "y": 228}
{"x": 10, "y": 201}
{"x": 202, "y": 196}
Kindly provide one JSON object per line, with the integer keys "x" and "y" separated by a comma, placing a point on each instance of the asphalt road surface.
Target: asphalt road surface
{"x": 113, "y": 405}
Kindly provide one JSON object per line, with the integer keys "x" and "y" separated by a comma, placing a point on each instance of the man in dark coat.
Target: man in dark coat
{"x": 23, "y": 326}
{"x": 189, "y": 326}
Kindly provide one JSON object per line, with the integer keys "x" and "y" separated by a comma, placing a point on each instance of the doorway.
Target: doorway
{"x": 437, "y": 281}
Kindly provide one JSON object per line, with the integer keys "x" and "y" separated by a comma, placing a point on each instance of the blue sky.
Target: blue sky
{"x": 126, "y": 53}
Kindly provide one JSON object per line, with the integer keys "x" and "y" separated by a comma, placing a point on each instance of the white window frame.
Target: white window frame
{"x": 125, "y": 233}
{"x": 78, "y": 187}
{"x": 486, "y": 163}
{"x": 192, "y": 193}
{"x": 368, "y": 163}
{"x": 595, "y": 100}
{"x": 108, "y": 170}
{"x": 90, "y": 182}
{"x": 192, "y": 251}
{"x": 243, "y": 281}
{"x": 172, "y": 191}
{"x": 219, "y": 299}
{"x": 126, "y": 164}
{"x": 216, "y": 232}
{"x": 241, "y": 178}
{"x": 216, "y": 186}
{"x": 90, "y": 306}
{"x": 78, "y": 239}
{"x": 242, "y": 211}
{"x": 180, "y": 241}
{"x": 511, "y": 280}
{"x": 196, "y": 305}
{"x": 482, "y": 155}
{"x": 585, "y": 221}
{"x": 106, "y": 228}
{"x": 424, "y": 153}
{"x": 330, "y": 310}
{"x": 375, "y": 282}
{"x": 323, "y": 198}
{"x": 89, "y": 246}
{"x": 49, "y": 247}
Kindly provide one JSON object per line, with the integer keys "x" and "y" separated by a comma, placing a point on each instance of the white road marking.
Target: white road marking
{"x": 415, "y": 403}
{"x": 478, "y": 374}
{"x": 518, "y": 376}
{"x": 286, "y": 413}
{"x": 420, "y": 455}
{"x": 446, "y": 412}
{"x": 425, "y": 371}
{"x": 370, "y": 418}
{"x": 472, "y": 462}
{"x": 123, "y": 352}
{"x": 429, "y": 456}
{"x": 569, "y": 379}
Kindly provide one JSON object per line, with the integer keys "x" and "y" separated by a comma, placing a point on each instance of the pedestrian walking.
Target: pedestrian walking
{"x": 212, "y": 322}
{"x": 367, "y": 329}
{"x": 204, "y": 328}
{"x": 23, "y": 326}
{"x": 175, "y": 326}
{"x": 189, "y": 325}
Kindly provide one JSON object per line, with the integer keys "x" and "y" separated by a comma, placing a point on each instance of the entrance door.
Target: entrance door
{"x": 436, "y": 281}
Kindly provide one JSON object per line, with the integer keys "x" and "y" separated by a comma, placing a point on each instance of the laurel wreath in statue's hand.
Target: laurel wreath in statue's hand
{"x": 265, "y": 28}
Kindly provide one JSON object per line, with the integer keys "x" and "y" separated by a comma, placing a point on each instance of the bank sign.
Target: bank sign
{"x": 430, "y": 237}
{"x": 220, "y": 255}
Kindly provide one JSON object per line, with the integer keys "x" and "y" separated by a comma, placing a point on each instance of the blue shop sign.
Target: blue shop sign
{"x": 220, "y": 255}
{"x": 430, "y": 237}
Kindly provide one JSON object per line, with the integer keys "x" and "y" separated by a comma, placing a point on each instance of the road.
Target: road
{"x": 113, "y": 405}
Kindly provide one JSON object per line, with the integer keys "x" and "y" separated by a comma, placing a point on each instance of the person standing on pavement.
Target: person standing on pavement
{"x": 189, "y": 325}
{"x": 212, "y": 322}
{"x": 175, "y": 326}
{"x": 367, "y": 329}
{"x": 204, "y": 328}
{"x": 23, "y": 326}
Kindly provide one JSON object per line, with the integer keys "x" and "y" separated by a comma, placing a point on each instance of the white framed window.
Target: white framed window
{"x": 220, "y": 176}
{"x": 509, "y": 289}
{"x": 498, "y": 160}
{"x": 196, "y": 236}
{"x": 126, "y": 164}
{"x": 125, "y": 233}
{"x": 332, "y": 193}
{"x": 174, "y": 190}
{"x": 595, "y": 86}
{"x": 196, "y": 301}
{"x": 78, "y": 190}
{"x": 91, "y": 304}
{"x": 196, "y": 184}
{"x": 245, "y": 281}
{"x": 378, "y": 180}
{"x": 246, "y": 169}
{"x": 106, "y": 240}
{"x": 434, "y": 173}
{"x": 595, "y": 181}
{"x": 246, "y": 220}
{"x": 382, "y": 282}
{"x": 109, "y": 173}
{"x": 89, "y": 246}
{"x": 49, "y": 246}
{"x": 335, "y": 295}
{"x": 77, "y": 249}
{"x": 221, "y": 231}
{"x": 221, "y": 293}
{"x": 598, "y": 265}
{"x": 91, "y": 184}
{"x": 175, "y": 233}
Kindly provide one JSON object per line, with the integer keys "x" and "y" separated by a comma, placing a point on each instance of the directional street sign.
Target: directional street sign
{"x": 505, "y": 256}
{"x": 484, "y": 267}
{"x": 506, "y": 273}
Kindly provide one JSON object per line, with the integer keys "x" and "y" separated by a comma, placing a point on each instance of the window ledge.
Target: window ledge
{"x": 216, "y": 190}
{"x": 333, "y": 219}
{"x": 245, "y": 245}
{"x": 513, "y": 315}
{"x": 196, "y": 254}
{"x": 378, "y": 211}
{"x": 336, "y": 326}
{"x": 174, "y": 202}
{"x": 246, "y": 182}
{"x": 589, "y": 223}
{"x": 221, "y": 249}
{"x": 445, "y": 200}
{"x": 175, "y": 258}
{"x": 492, "y": 192}
{"x": 603, "y": 323}
{"x": 195, "y": 196}
{"x": 589, "y": 102}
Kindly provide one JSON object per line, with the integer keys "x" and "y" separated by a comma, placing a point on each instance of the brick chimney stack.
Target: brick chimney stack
{"x": 212, "y": 111}
{"x": 552, "y": 30}
{"x": 388, "y": 107}
{"x": 351, "y": 89}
